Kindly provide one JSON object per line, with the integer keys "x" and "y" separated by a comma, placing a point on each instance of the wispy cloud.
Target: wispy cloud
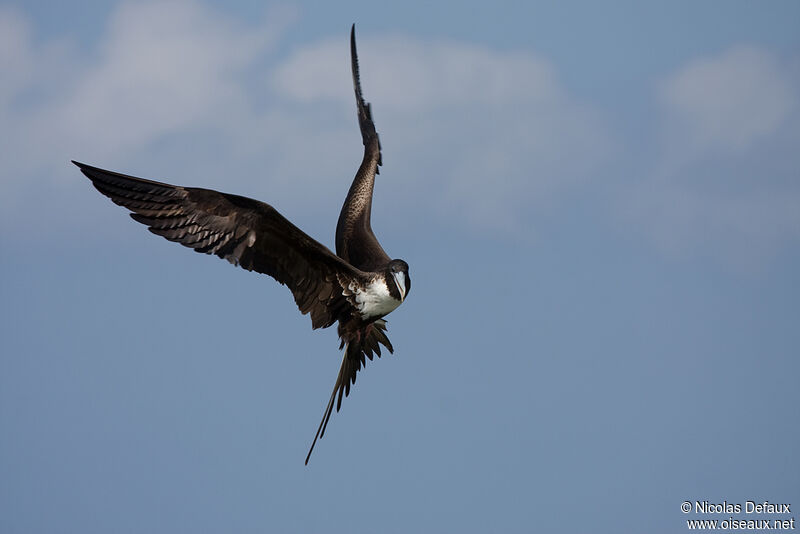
{"x": 726, "y": 181}
{"x": 493, "y": 139}
{"x": 488, "y": 135}
{"x": 159, "y": 68}
{"x": 728, "y": 102}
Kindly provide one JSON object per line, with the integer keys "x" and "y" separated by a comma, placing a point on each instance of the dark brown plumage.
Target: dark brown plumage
{"x": 355, "y": 241}
{"x": 356, "y": 287}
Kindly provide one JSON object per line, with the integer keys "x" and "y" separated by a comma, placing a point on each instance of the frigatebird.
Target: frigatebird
{"x": 356, "y": 287}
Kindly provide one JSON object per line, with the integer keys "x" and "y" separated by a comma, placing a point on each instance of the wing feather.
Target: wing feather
{"x": 355, "y": 240}
{"x": 244, "y": 231}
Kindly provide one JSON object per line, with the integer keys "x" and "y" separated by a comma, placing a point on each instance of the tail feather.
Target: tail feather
{"x": 366, "y": 342}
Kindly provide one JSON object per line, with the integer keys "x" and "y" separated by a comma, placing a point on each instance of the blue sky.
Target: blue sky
{"x": 600, "y": 206}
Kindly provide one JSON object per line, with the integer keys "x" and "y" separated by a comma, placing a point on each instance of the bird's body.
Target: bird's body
{"x": 355, "y": 287}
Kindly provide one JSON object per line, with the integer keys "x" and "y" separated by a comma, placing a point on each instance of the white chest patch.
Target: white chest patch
{"x": 375, "y": 300}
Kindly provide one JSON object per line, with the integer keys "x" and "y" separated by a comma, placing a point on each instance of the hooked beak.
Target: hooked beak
{"x": 400, "y": 282}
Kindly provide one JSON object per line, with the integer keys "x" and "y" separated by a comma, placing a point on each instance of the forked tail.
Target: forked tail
{"x": 362, "y": 344}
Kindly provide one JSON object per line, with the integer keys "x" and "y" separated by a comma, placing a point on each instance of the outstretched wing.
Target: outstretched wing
{"x": 244, "y": 231}
{"x": 355, "y": 241}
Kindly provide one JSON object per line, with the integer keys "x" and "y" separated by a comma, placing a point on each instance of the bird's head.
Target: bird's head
{"x": 397, "y": 270}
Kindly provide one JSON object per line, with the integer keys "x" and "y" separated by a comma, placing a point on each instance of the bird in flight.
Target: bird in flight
{"x": 356, "y": 287}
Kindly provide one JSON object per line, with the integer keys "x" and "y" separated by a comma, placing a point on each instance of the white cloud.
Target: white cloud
{"x": 15, "y": 54}
{"x": 411, "y": 76}
{"x": 490, "y": 136}
{"x": 31, "y": 74}
{"x": 470, "y": 134}
{"x": 161, "y": 67}
{"x": 164, "y": 66}
{"x": 726, "y": 182}
{"x": 729, "y": 101}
